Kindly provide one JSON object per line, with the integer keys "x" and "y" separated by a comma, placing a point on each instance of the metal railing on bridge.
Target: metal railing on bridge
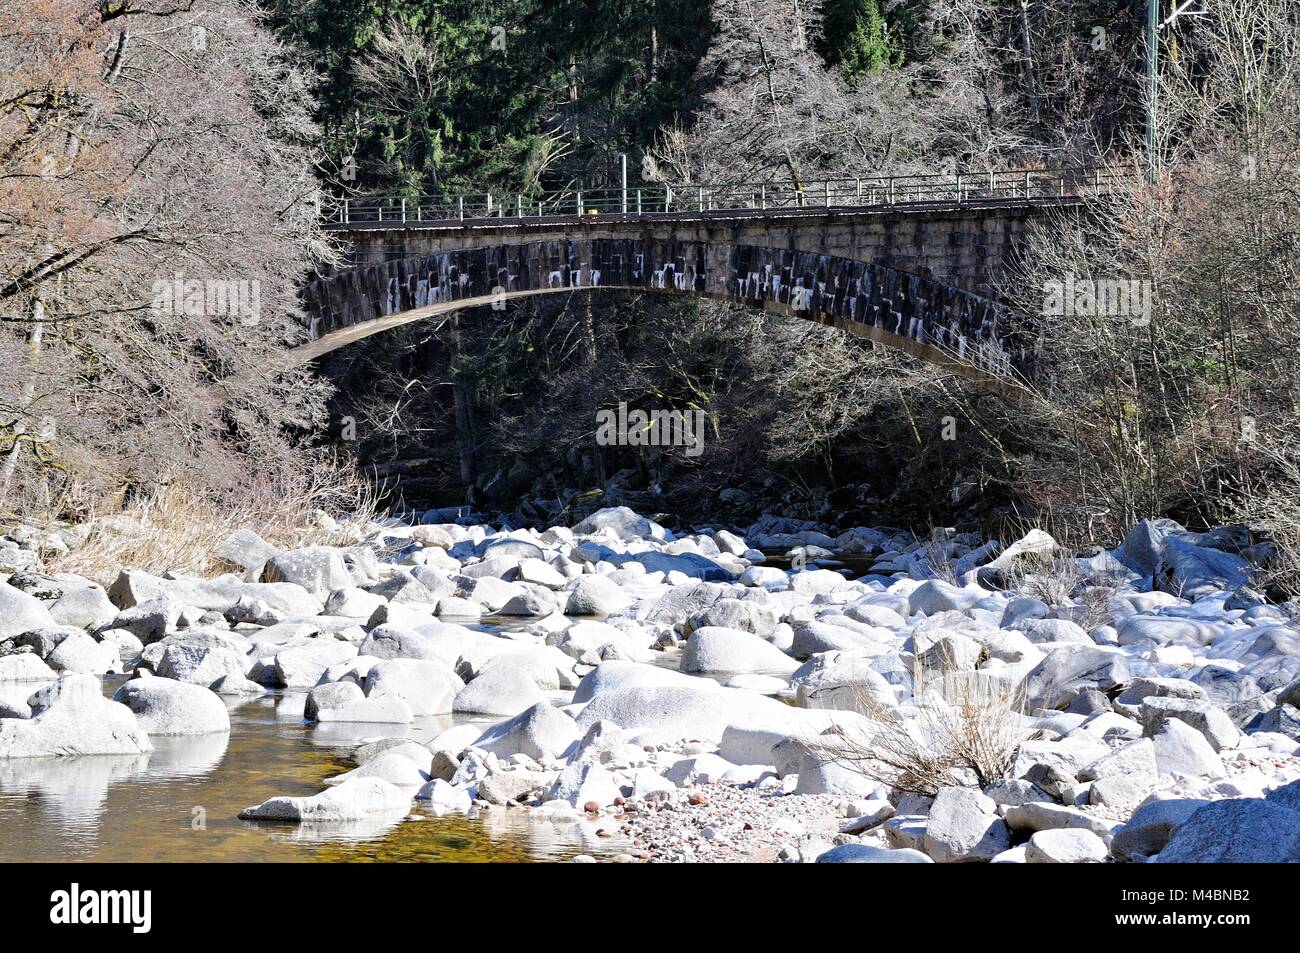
{"x": 668, "y": 198}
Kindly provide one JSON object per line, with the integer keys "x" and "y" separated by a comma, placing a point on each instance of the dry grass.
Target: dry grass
{"x": 1049, "y": 579}
{"x": 180, "y": 527}
{"x": 962, "y": 729}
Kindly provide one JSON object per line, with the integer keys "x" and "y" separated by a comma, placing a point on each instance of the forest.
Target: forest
{"x": 149, "y": 143}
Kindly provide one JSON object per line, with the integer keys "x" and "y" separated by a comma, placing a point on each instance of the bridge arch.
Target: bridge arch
{"x": 919, "y": 315}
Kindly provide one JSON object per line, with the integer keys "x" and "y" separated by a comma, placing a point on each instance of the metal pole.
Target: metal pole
{"x": 489, "y": 204}
{"x": 1153, "y": 57}
{"x": 622, "y": 156}
{"x": 638, "y": 201}
{"x": 347, "y": 213}
{"x": 579, "y": 204}
{"x": 460, "y": 207}
{"x": 403, "y": 210}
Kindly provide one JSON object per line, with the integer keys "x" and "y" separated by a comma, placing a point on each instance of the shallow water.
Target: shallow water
{"x": 181, "y": 802}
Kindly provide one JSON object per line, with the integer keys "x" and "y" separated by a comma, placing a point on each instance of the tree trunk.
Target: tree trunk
{"x": 29, "y": 393}
{"x": 462, "y": 402}
{"x": 589, "y": 336}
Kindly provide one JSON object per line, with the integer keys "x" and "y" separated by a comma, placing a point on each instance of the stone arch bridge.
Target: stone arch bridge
{"x": 912, "y": 264}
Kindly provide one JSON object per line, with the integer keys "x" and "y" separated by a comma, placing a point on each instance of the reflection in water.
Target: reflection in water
{"x": 68, "y": 792}
{"x": 181, "y": 801}
{"x": 186, "y": 756}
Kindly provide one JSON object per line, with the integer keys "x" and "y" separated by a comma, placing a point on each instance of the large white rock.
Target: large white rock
{"x": 548, "y": 667}
{"x": 428, "y": 686}
{"x": 584, "y": 782}
{"x": 167, "y": 707}
{"x": 390, "y": 640}
{"x": 202, "y": 658}
{"x": 499, "y": 690}
{"x": 81, "y": 653}
{"x": 85, "y": 605}
{"x": 389, "y": 710}
{"x": 301, "y": 666}
{"x": 1236, "y": 831}
{"x": 72, "y": 717}
{"x": 1065, "y": 846}
{"x": 716, "y": 649}
{"x": 537, "y": 732}
{"x": 444, "y": 798}
{"x": 841, "y": 681}
{"x": 624, "y": 523}
{"x": 964, "y": 826}
{"x": 616, "y": 674}
{"x": 331, "y": 695}
{"x": 392, "y": 766}
{"x": 813, "y": 582}
{"x": 591, "y": 641}
{"x": 816, "y": 636}
{"x": 935, "y": 595}
{"x": 20, "y": 612}
{"x": 318, "y": 569}
{"x": 354, "y": 800}
{"x": 1181, "y": 749}
{"x": 596, "y": 595}
{"x": 25, "y": 667}
{"x": 353, "y": 603}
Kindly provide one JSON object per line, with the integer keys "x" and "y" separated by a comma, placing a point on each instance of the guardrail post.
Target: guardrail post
{"x": 992, "y": 184}
{"x": 1096, "y": 181}
{"x": 859, "y": 188}
{"x": 419, "y": 211}
{"x": 519, "y": 205}
{"x": 403, "y": 210}
{"x": 826, "y": 190}
{"x": 489, "y": 204}
{"x": 460, "y": 207}
{"x": 579, "y": 204}
{"x": 699, "y": 197}
{"x": 762, "y": 196}
{"x": 347, "y": 213}
{"x": 1026, "y": 185}
{"x": 638, "y": 201}
{"x": 381, "y": 210}
{"x": 668, "y": 198}
{"x": 891, "y": 190}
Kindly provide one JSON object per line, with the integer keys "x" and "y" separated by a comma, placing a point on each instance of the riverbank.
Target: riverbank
{"x": 685, "y": 698}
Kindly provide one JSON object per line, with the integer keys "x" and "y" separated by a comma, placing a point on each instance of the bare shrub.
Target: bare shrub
{"x": 962, "y": 729}
{"x": 1049, "y": 579}
{"x": 180, "y": 527}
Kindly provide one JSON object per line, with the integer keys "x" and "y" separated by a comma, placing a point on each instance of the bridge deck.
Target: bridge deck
{"x": 667, "y": 202}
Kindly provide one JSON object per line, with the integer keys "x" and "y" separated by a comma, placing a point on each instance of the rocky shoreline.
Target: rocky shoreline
{"x": 956, "y": 700}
